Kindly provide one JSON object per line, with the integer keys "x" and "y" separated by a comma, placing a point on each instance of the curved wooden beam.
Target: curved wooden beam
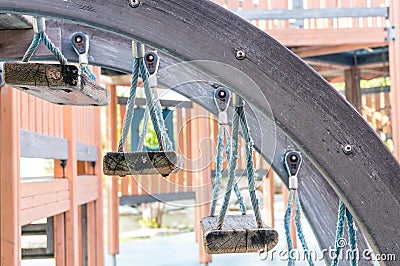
{"x": 308, "y": 109}
{"x": 113, "y": 51}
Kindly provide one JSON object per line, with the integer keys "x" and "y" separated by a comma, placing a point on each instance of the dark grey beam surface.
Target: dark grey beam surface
{"x": 284, "y": 14}
{"x": 305, "y": 107}
{"x": 165, "y": 197}
{"x": 318, "y": 199}
{"x": 164, "y": 103}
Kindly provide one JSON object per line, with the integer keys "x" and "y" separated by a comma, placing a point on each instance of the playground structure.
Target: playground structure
{"x": 293, "y": 84}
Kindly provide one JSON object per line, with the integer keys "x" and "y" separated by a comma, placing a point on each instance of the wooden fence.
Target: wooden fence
{"x": 72, "y": 200}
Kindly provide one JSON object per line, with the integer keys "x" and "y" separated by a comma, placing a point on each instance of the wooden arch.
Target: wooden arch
{"x": 307, "y": 109}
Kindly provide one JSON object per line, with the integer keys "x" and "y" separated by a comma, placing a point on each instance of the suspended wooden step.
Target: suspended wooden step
{"x": 59, "y": 84}
{"x": 239, "y": 234}
{"x": 142, "y": 163}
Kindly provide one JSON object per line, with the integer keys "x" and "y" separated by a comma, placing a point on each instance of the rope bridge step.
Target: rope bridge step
{"x": 142, "y": 163}
{"x": 59, "y": 84}
{"x": 239, "y": 234}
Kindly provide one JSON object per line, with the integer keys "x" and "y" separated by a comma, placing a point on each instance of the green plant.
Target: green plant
{"x": 148, "y": 223}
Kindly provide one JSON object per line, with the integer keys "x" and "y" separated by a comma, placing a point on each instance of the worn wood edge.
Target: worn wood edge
{"x": 319, "y": 201}
{"x": 317, "y": 160}
{"x": 73, "y": 85}
{"x": 249, "y": 237}
{"x": 175, "y": 163}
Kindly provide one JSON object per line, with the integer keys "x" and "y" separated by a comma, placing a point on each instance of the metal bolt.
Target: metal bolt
{"x": 240, "y": 55}
{"x": 134, "y": 3}
{"x": 347, "y": 149}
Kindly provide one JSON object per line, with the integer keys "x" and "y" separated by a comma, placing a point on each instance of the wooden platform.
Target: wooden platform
{"x": 59, "y": 84}
{"x": 239, "y": 234}
{"x": 142, "y": 163}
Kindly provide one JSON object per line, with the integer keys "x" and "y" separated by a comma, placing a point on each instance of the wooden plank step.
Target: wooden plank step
{"x": 239, "y": 234}
{"x": 142, "y": 163}
{"x": 59, "y": 84}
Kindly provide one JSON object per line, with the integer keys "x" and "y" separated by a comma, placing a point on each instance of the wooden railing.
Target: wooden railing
{"x": 34, "y": 128}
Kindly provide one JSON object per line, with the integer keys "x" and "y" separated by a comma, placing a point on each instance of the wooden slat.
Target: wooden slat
{"x": 24, "y": 111}
{"x": 42, "y": 211}
{"x": 297, "y": 37}
{"x": 55, "y": 83}
{"x": 39, "y": 117}
{"x": 32, "y": 112}
{"x": 141, "y": 163}
{"x": 43, "y": 199}
{"x": 10, "y": 219}
{"x": 71, "y": 170}
{"x": 37, "y": 188}
{"x": 36, "y": 145}
{"x": 239, "y": 234}
{"x": 163, "y": 197}
{"x": 112, "y": 182}
{"x": 91, "y": 234}
{"x": 86, "y": 152}
{"x": 87, "y": 189}
{"x": 269, "y": 196}
{"x": 98, "y": 204}
{"x": 59, "y": 223}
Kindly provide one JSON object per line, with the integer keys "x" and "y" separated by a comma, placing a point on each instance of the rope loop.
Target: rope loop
{"x": 41, "y": 36}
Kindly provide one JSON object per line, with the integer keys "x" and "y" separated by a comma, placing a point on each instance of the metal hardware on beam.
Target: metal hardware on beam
{"x": 285, "y": 14}
{"x": 391, "y": 36}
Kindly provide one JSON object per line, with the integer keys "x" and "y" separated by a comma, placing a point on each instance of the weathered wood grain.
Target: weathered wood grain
{"x": 307, "y": 109}
{"x": 60, "y": 84}
{"x": 239, "y": 234}
{"x": 142, "y": 163}
{"x": 318, "y": 198}
{"x": 12, "y": 21}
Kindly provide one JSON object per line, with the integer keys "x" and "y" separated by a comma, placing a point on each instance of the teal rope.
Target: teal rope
{"x": 218, "y": 171}
{"x": 339, "y": 233}
{"x": 293, "y": 196}
{"x": 144, "y": 130}
{"x": 155, "y": 112}
{"x": 130, "y": 106}
{"x": 352, "y": 238}
{"x": 249, "y": 163}
{"x": 235, "y": 186}
{"x": 85, "y": 69}
{"x": 232, "y": 162}
{"x": 42, "y": 37}
{"x": 286, "y": 222}
{"x": 344, "y": 213}
{"x": 300, "y": 233}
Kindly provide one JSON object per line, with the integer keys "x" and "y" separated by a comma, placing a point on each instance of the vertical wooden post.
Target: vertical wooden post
{"x": 269, "y": 196}
{"x": 71, "y": 171}
{"x": 112, "y": 182}
{"x": 98, "y": 204}
{"x": 202, "y": 176}
{"x": 59, "y": 225}
{"x": 352, "y": 87}
{"x": 10, "y": 222}
{"x": 394, "y": 66}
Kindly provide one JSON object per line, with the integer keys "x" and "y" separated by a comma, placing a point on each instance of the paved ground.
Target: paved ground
{"x": 180, "y": 249}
